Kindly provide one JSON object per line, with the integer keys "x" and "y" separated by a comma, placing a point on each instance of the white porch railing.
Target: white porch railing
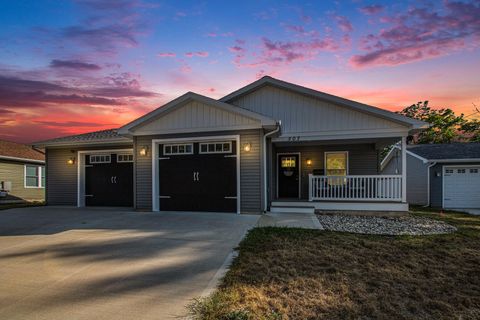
{"x": 356, "y": 188}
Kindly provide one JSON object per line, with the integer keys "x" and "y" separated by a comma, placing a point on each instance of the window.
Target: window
{"x": 336, "y": 163}
{"x": 176, "y": 149}
{"x": 34, "y": 176}
{"x": 288, "y": 162}
{"x": 216, "y": 147}
{"x": 100, "y": 158}
{"x": 124, "y": 158}
{"x": 473, "y": 170}
{"x": 461, "y": 170}
{"x": 448, "y": 170}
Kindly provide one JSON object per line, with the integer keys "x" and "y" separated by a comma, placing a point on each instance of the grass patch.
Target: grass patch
{"x": 308, "y": 274}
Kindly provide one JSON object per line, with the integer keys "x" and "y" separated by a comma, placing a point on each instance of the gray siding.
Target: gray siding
{"x": 301, "y": 114}
{"x": 250, "y": 169}
{"x": 62, "y": 178}
{"x": 417, "y": 177}
{"x": 362, "y": 160}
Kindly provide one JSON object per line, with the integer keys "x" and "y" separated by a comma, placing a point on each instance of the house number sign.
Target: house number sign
{"x": 296, "y": 138}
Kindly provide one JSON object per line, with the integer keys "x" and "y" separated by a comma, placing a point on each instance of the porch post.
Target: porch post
{"x": 404, "y": 169}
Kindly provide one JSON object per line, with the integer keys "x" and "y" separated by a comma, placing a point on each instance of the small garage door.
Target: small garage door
{"x": 200, "y": 176}
{"x": 109, "y": 179}
{"x": 461, "y": 187}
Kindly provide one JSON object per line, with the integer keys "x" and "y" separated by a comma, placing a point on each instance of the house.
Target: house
{"x": 22, "y": 173}
{"x": 271, "y": 145}
{"x": 439, "y": 175}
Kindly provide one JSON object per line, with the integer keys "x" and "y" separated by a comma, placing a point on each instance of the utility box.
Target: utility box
{"x": 6, "y": 186}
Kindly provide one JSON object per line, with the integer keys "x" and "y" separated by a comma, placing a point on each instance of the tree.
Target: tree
{"x": 445, "y": 126}
{"x": 471, "y": 129}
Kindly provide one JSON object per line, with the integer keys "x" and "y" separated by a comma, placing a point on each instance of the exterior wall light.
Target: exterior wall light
{"x": 247, "y": 147}
{"x": 309, "y": 162}
{"x": 143, "y": 151}
{"x": 71, "y": 161}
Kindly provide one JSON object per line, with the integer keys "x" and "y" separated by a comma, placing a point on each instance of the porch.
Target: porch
{"x": 335, "y": 176}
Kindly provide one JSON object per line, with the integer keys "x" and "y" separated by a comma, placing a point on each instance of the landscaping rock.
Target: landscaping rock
{"x": 406, "y": 225}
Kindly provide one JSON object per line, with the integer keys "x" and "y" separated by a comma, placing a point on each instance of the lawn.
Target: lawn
{"x": 308, "y": 274}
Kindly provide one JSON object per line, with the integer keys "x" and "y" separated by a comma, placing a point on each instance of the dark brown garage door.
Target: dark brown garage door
{"x": 198, "y": 177}
{"x": 109, "y": 180}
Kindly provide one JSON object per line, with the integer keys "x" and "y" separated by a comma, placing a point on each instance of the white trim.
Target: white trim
{"x": 214, "y": 152}
{"x": 81, "y": 172}
{"x": 110, "y": 142}
{"x": 332, "y": 152}
{"x": 266, "y": 179}
{"x": 443, "y": 177}
{"x": 155, "y": 169}
{"x": 108, "y": 158}
{"x": 40, "y": 172}
{"x": 177, "y": 145}
{"x": 299, "y": 171}
{"x": 454, "y": 160}
{"x": 340, "y": 135}
{"x": 124, "y": 154}
{"x": 22, "y": 159}
{"x": 404, "y": 169}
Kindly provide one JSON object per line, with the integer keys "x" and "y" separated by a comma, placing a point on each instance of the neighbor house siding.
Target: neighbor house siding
{"x": 362, "y": 160}
{"x": 301, "y": 114}
{"x": 250, "y": 168}
{"x": 62, "y": 178}
{"x": 14, "y": 172}
{"x": 417, "y": 177}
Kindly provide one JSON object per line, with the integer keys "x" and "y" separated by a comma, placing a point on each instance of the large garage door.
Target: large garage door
{"x": 461, "y": 187}
{"x": 109, "y": 180}
{"x": 198, "y": 177}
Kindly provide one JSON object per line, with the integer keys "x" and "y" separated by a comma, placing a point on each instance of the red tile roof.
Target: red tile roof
{"x": 17, "y": 150}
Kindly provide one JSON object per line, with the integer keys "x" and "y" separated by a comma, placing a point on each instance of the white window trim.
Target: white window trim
{"x": 124, "y": 154}
{"x": 334, "y": 152}
{"x": 99, "y": 155}
{"x": 39, "y": 178}
{"x": 177, "y": 153}
{"x": 214, "y": 152}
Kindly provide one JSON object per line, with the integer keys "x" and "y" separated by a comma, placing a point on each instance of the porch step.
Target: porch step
{"x": 292, "y": 209}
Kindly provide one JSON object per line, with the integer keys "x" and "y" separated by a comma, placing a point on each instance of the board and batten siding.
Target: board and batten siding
{"x": 61, "y": 179}
{"x": 362, "y": 160}
{"x": 251, "y": 191}
{"x": 303, "y": 114}
{"x": 417, "y": 177}
{"x": 14, "y": 172}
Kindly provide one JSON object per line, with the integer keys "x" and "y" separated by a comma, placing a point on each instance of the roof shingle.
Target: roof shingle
{"x": 446, "y": 151}
{"x": 102, "y": 135}
{"x": 17, "y": 150}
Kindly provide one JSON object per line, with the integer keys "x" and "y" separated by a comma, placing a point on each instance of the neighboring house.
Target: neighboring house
{"x": 439, "y": 175}
{"x": 267, "y": 146}
{"x": 22, "y": 173}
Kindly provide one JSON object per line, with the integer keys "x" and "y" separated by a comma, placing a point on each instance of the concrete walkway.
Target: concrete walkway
{"x": 291, "y": 220}
{"x": 72, "y": 263}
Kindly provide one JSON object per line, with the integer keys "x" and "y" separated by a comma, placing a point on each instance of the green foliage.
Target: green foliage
{"x": 445, "y": 127}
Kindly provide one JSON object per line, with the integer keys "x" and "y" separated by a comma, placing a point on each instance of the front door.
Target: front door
{"x": 288, "y": 176}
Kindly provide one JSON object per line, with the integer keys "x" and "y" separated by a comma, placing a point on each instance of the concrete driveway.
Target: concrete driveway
{"x": 71, "y": 263}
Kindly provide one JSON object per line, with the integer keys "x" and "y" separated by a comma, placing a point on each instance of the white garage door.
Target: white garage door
{"x": 461, "y": 187}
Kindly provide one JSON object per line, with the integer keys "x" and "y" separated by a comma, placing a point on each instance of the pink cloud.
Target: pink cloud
{"x": 201, "y": 54}
{"x": 166, "y": 55}
{"x": 372, "y": 9}
{"x": 422, "y": 34}
{"x": 344, "y": 24}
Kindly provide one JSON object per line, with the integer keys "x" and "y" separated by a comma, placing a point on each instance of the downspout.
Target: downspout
{"x": 428, "y": 183}
{"x": 265, "y": 189}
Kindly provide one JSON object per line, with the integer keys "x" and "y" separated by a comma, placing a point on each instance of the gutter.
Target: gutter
{"x": 428, "y": 183}
{"x": 22, "y": 159}
{"x": 265, "y": 189}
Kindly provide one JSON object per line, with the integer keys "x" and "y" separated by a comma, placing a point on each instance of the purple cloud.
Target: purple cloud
{"x": 344, "y": 24}
{"x": 74, "y": 64}
{"x": 422, "y": 34}
{"x": 372, "y": 9}
{"x": 201, "y": 54}
{"x": 72, "y": 124}
{"x": 166, "y": 55}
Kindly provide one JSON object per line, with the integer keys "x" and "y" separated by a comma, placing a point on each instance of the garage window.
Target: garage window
{"x": 473, "y": 170}
{"x": 100, "y": 158}
{"x": 448, "y": 170}
{"x": 216, "y": 147}
{"x": 461, "y": 171}
{"x": 125, "y": 158}
{"x": 177, "y": 149}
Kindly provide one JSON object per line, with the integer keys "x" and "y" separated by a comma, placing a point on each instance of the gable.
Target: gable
{"x": 195, "y": 116}
{"x": 305, "y": 115}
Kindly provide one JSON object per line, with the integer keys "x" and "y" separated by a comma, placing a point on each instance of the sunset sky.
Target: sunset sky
{"x": 69, "y": 67}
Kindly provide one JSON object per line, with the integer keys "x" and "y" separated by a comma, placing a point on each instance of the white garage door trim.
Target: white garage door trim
{"x": 443, "y": 178}
{"x": 156, "y": 153}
